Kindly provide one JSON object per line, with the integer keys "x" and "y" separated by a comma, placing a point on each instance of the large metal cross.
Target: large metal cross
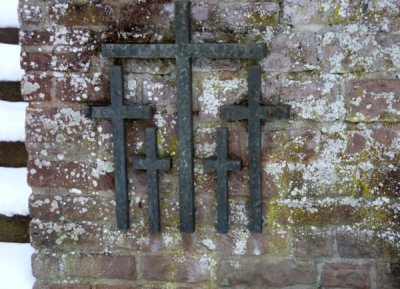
{"x": 254, "y": 113}
{"x": 117, "y": 112}
{"x": 222, "y": 165}
{"x": 152, "y": 164}
{"x": 183, "y": 51}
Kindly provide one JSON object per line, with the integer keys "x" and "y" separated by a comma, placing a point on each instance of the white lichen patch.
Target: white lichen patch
{"x": 216, "y": 92}
{"x": 240, "y": 237}
{"x": 101, "y": 168}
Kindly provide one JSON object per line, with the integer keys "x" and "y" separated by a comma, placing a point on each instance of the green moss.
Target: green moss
{"x": 337, "y": 19}
{"x": 262, "y": 20}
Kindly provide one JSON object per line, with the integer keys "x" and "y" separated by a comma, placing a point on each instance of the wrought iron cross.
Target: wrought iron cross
{"x": 183, "y": 51}
{"x": 117, "y": 112}
{"x": 222, "y": 164}
{"x": 152, "y": 164}
{"x": 254, "y": 113}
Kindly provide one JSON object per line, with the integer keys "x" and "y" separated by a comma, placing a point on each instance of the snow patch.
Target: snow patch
{"x": 15, "y": 266}
{"x": 10, "y": 62}
{"x": 14, "y": 192}
{"x": 12, "y": 120}
{"x": 9, "y": 14}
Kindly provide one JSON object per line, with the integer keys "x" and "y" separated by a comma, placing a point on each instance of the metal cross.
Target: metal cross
{"x": 222, "y": 164}
{"x": 152, "y": 164}
{"x": 254, "y": 113}
{"x": 183, "y": 51}
{"x": 117, "y": 112}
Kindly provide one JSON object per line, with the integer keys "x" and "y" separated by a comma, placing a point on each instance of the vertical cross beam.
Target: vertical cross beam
{"x": 152, "y": 164}
{"x": 254, "y": 113}
{"x": 185, "y": 118}
{"x": 222, "y": 165}
{"x": 117, "y": 112}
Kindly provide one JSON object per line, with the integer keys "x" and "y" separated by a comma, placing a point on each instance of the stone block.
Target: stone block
{"x": 342, "y": 275}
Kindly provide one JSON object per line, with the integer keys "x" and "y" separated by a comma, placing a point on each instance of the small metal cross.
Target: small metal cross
{"x": 222, "y": 164}
{"x": 152, "y": 164}
{"x": 254, "y": 113}
{"x": 183, "y": 51}
{"x": 117, "y": 112}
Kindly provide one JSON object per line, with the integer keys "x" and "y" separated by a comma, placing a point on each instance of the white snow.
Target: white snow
{"x": 15, "y": 266}
{"x": 12, "y": 121}
{"x": 10, "y": 62}
{"x": 14, "y": 192}
{"x": 9, "y": 13}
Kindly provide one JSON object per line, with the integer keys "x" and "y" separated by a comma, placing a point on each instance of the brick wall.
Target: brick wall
{"x": 330, "y": 174}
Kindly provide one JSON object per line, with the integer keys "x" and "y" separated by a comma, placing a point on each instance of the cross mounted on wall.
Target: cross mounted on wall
{"x": 183, "y": 51}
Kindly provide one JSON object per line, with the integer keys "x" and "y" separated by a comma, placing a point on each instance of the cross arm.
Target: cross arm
{"x": 234, "y": 112}
{"x": 139, "y": 50}
{"x": 276, "y": 112}
{"x": 140, "y": 162}
{"x": 254, "y": 51}
{"x": 124, "y": 112}
{"x": 210, "y": 164}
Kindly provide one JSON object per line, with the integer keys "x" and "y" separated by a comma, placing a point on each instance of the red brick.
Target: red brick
{"x": 297, "y": 52}
{"x": 89, "y": 208}
{"x": 56, "y": 234}
{"x": 125, "y": 287}
{"x": 64, "y": 62}
{"x": 356, "y": 144}
{"x": 45, "y": 207}
{"x": 30, "y": 14}
{"x": 36, "y": 87}
{"x": 163, "y": 268}
{"x": 384, "y": 136}
{"x": 346, "y": 276}
{"x": 66, "y": 133}
{"x": 34, "y": 38}
{"x": 83, "y": 88}
{"x": 78, "y": 37}
{"x": 193, "y": 271}
{"x": 101, "y": 266}
{"x": 313, "y": 246}
{"x": 254, "y": 271}
{"x": 82, "y": 14}
{"x": 70, "y": 286}
{"x": 157, "y": 268}
{"x": 45, "y": 265}
{"x": 373, "y": 100}
{"x": 57, "y": 174}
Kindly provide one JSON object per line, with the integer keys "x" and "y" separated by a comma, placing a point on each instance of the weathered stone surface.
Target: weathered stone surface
{"x": 346, "y": 275}
{"x": 256, "y": 271}
{"x": 295, "y": 52}
{"x": 36, "y": 87}
{"x": 313, "y": 246}
{"x": 329, "y": 171}
{"x": 373, "y": 100}
{"x": 93, "y": 89}
{"x": 72, "y": 13}
{"x": 70, "y": 286}
{"x": 45, "y": 207}
{"x": 388, "y": 274}
{"x": 100, "y": 266}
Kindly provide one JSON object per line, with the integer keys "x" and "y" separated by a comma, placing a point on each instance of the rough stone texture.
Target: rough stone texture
{"x": 346, "y": 275}
{"x": 330, "y": 174}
